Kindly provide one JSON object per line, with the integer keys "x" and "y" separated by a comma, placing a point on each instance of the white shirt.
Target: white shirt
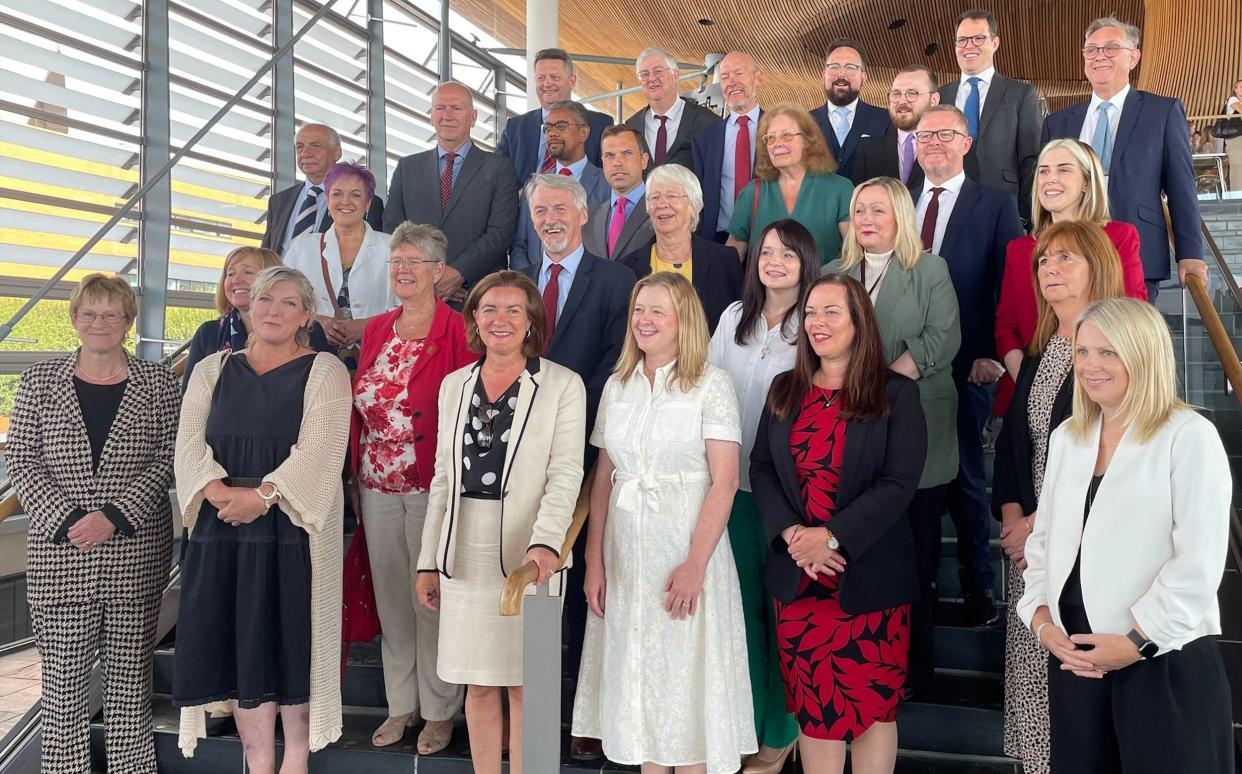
{"x": 1089, "y": 124}
{"x": 963, "y": 89}
{"x": 652, "y": 125}
{"x": 877, "y": 269}
{"x": 752, "y": 368}
{"x": 948, "y": 197}
{"x": 321, "y": 206}
{"x": 369, "y": 289}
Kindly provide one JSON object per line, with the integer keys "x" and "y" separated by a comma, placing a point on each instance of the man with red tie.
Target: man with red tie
{"x": 724, "y": 153}
{"x": 621, "y": 225}
{"x": 668, "y": 123}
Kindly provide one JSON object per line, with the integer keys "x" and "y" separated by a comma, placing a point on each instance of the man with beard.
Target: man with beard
{"x": 846, "y": 120}
{"x": 586, "y": 302}
{"x": 566, "y": 131}
{"x": 724, "y": 153}
{"x": 893, "y": 155}
{"x": 668, "y": 123}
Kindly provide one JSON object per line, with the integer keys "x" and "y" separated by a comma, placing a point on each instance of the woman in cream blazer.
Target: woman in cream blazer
{"x": 1125, "y": 559}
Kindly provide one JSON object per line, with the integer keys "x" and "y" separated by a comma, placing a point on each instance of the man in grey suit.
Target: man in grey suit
{"x": 567, "y": 131}
{"x": 1002, "y": 114}
{"x": 620, "y": 225}
{"x": 467, "y": 193}
{"x": 668, "y": 123}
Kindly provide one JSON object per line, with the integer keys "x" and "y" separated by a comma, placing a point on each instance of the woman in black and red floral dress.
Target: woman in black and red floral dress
{"x": 837, "y": 459}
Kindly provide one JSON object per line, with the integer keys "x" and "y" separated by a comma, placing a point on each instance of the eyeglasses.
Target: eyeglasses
{"x": 661, "y": 198}
{"x": 944, "y": 135}
{"x": 560, "y": 126}
{"x": 657, "y": 72}
{"x": 850, "y": 69}
{"x": 1110, "y": 51}
{"x": 87, "y": 317}
{"x": 772, "y": 137}
{"x": 909, "y": 95}
{"x": 410, "y": 263}
{"x": 977, "y": 41}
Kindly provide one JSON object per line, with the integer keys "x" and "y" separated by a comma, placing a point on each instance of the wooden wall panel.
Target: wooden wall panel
{"x": 1193, "y": 52}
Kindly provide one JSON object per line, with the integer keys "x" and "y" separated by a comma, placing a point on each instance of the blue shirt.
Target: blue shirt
{"x": 461, "y": 156}
{"x": 321, "y": 206}
{"x": 575, "y": 169}
{"x": 726, "y": 171}
{"x": 631, "y": 200}
{"x": 569, "y": 268}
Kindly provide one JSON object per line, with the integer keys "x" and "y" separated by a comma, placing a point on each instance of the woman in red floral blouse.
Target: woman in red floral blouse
{"x": 837, "y": 458}
{"x": 405, "y": 354}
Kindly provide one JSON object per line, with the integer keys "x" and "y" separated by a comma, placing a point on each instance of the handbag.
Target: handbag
{"x": 359, "y": 618}
{"x": 1227, "y": 128}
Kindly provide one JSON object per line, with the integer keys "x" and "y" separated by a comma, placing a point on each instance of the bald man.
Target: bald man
{"x": 724, "y": 153}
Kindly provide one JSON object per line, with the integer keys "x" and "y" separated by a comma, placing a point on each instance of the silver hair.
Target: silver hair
{"x": 275, "y": 275}
{"x": 580, "y": 113}
{"x": 334, "y": 136}
{"x": 669, "y": 61}
{"x": 676, "y": 174}
{"x": 428, "y": 240}
{"x": 1129, "y": 32}
{"x": 558, "y": 183}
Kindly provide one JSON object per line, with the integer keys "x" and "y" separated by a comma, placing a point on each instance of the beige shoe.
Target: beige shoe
{"x": 435, "y": 736}
{"x": 392, "y": 730}
{"x": 770, "y": 761}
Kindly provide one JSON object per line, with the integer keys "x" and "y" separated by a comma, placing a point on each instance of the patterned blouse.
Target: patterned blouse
{"x": 381, "y": 397}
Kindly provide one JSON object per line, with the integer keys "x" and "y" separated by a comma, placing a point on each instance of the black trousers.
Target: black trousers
{"x": 926, "y": 510}
{"x": 967, "y": 496}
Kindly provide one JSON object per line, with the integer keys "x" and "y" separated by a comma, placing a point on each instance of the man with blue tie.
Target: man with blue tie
{"x": 724, "y": 153}
{"x": 846, "y": 120}
{"x": 1142, "y": 143}
{"x": 566, "y": 132}
{"x": 522, "y": 140}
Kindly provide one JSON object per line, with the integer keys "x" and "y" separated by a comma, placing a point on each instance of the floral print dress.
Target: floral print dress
{"x": 381, "y": 397}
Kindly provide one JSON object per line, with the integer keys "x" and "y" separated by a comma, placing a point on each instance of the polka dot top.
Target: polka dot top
{"x": 486, "y": 438}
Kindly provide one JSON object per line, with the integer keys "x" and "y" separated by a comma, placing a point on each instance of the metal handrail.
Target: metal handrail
{"x": 1222, "y": 265}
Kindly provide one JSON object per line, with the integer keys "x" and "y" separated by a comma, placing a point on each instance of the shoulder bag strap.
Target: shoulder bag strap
{"x": 327, "y": 279}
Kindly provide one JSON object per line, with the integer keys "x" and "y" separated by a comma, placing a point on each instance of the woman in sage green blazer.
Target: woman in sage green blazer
{"x": 917, "y": 310}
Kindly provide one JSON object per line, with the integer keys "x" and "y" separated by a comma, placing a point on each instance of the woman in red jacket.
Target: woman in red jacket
{"x": 1069, "y": 185}
{"x": 405, "y": 354}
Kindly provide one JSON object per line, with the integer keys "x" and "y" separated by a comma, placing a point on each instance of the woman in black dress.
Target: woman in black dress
{"x": 260, "y": 603}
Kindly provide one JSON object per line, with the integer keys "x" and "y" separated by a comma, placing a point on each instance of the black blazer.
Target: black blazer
{"x": 878, "y": 157}
{"x": 879, "y": 474}
{"x": 694, "y": 119}
{"x": 280, "y": 209}
{"x": 715, "y": 272}
{"x": 869, "y": 121}
{"x": 1011, "y": 476}
{"x": 707, "y": 150}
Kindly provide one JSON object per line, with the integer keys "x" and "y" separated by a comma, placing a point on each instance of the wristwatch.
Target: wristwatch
{"x": 1146, "y": 648}
{"x": 832, "y": 542}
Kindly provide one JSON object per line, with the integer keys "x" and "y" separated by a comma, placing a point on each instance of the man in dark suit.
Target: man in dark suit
{"x": 1141, "y": 140}
{"x": 522, "y": 140}
{"x": 668, "y": 123}
{"x": 303, "y": 207}
{"x": 586, "y": 301}
{"x": 621, "y": 225}
{"x": 465, "y": 192}
{"x": 970, "y": 226}
{"x": 567, "y": 132}
{"x": 724, "y": 153}
{"x": 846, "y": 120}
{"x": 1002, "y": 114}
{"x": 893, "y": 154}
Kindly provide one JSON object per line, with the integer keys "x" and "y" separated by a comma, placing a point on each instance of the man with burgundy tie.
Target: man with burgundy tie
{"x": 302, "y": 207}
{"x": 621, "y": 225}
{"x": 586, "y": 303}
{"x": 464, "y": 191}
{"x": 724, "y": 153}
{"x": 892, "y": 154}
{"x": 846, "y": 121}
{"x": 668, "y": 123}
{"x": 970, "y": 226}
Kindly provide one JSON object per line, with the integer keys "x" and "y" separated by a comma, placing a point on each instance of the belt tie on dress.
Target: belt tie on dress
{"x": 633, "y": 489}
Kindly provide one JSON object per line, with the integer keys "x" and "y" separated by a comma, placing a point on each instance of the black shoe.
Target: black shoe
{"x": 981, "y": 609}
{"x": 585, "y": 749}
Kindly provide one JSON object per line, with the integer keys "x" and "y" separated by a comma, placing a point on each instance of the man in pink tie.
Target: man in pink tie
{"x": 893, "y": 153}
{"x": 620, "y": 225}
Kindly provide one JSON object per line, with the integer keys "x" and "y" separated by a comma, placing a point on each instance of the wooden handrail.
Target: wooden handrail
{"x": 1217, "y": 334}
{"x": 518, "y": 580}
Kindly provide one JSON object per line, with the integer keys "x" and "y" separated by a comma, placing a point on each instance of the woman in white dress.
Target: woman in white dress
{"x": 664, "y": 680}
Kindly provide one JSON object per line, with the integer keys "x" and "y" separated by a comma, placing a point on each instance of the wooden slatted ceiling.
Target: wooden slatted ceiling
{"x": 1040, "y": 40}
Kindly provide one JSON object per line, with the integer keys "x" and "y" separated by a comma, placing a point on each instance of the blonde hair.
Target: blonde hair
{"x": 692, "y": 336}
{"x": 1094, "y": 205}
{"x": 275, "y": 275}
{"x": 1089, "y": 241}
{"x": 267, "y": 259}
{"x": 1140, "y": 337}
{"x": 908, "y": 247}
{"x": 110, "y": 290}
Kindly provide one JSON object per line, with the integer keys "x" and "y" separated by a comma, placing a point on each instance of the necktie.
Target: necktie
{"x": 308, "y": 211}
{"x": 661, "y": 139}
{"x": 928, "y": 232}
{"x": 565, "y": 171}
{"x": 551, "y": 294}
{"x": 1102, "y": 142}
{"x": 843, "y": 125}
{"x": 446, "y": 179}
{"x": 547, "y": 164}
{"x": 617, "y": 223}
{"x": 907, "y": 157}
{"x": 741, "y": 156}
{"x": 972, "y": 108}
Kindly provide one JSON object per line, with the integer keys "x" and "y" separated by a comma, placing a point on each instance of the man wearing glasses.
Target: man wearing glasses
{"x": 846, "y": 120}
{"x": 893, "y": 154}
{"x": 1141, "y": 140}
{"x": 1002, "y": 114}
{"x": 668, "y": 123}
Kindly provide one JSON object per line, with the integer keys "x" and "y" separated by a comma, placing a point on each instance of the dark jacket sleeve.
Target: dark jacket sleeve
{"x": 775, "y": 511}
{"x": 1005, "y": 468}
{"x": 270, "y": 241}
{"x": 487, "y": 253}
{"x": 1179, "y": 186}
{"x": 520, "y": 254}
{"x": 375, "y": 215}
{"x": 200, "y": 347}
{"x": 1030, "y": 126}
{"x": 614, "y": 325}
{"x": 394, "y": 211}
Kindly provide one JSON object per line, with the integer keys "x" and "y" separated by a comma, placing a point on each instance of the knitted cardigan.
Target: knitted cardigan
{"x": 312, "y": 498}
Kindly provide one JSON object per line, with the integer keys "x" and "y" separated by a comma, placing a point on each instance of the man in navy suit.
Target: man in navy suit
{"x": 970, "y": 226}
{"x": 522, "y": 140}
{"x": 1142, "y": 143}
{"x": 724, "y": 153}
{"x": 668, "y": 122}
{"x": 846, "y": 120}
{"x": 586, "y": 300}
{"x": 893, "y": 154}
{"x": 567, "y": 132}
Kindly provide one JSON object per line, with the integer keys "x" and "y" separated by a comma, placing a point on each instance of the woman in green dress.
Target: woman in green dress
{"x": 795, "y": 177}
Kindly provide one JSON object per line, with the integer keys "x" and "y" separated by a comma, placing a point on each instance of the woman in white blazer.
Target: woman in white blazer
{"x": 1126, "y": 556}
{"x": 508, "y": 470}
{"x": 347, "y": 264}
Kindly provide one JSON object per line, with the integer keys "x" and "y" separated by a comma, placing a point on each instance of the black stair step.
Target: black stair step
{"x": 945, "y": 728}
{"x": 966, "y": 688}
{"x": 949, "y": 582}
{"x": 970, "y": 649}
